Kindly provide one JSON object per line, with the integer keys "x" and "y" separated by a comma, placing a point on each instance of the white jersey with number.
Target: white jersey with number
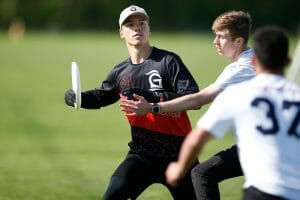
{"x": 264, "y": 113}
{"x": 238, "y": 71}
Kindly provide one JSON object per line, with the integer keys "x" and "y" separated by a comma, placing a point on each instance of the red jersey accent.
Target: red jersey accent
{"x": 165, "y": 123}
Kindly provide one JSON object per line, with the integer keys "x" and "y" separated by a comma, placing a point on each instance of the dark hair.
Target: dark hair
{"x": 271, "y": 47}
{"x": 237, "y": 22}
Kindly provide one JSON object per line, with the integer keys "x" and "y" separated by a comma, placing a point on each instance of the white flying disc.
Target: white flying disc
{"x": 76, "y": 86}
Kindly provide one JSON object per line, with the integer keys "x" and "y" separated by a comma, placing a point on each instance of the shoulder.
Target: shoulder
{"x": 280, "y": 83}
{"x": 122, "y": 64}
{"x": 164, "y": 54}
{"x": 243, "y": 64}
{"x": 239, "y": 88}
{"x": 248, "y": 53}
{"x": 234, "y": 73}
{"x": 245, "y": 58}
{"x": 120, "y": 67}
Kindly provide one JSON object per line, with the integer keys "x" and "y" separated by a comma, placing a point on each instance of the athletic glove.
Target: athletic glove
{"x": 70, "y": 97}
{"x": 152, "y": 97}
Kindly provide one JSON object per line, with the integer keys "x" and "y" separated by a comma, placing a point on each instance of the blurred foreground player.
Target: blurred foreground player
{"x": 265, "y": 115}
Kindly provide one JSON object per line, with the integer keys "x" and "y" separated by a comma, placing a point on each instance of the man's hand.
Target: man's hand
{"x": 70, "y": 97}
{"x": 139, "y": 106}
{"x": 152, "y": 97}
{"x": 174, "y": 173}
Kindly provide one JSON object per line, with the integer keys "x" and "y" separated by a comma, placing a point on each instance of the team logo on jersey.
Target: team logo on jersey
{"x": 155, "y": 80}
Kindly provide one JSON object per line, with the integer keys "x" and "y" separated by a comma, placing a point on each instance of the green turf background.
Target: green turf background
{"x": 51, "y": 151}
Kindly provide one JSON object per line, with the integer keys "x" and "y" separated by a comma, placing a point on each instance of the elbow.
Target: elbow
{"x": 196, "y": 104}
{"x": 197, "y": 107}
{"x": 200, "y": 100}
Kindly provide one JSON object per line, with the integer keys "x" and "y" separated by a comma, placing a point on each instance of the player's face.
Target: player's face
{"x": 225, "y": 45}
{"x": 135, "y": 30}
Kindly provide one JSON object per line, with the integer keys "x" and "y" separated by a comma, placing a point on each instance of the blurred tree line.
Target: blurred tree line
{"x": 165, "y": 15}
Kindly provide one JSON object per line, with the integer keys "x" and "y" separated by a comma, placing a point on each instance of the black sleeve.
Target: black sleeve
{"x": 181, "y": 80}
{"x": 107, "y": 93}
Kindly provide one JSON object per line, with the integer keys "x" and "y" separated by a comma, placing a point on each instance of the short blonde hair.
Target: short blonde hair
{"x": 237, "y": 22}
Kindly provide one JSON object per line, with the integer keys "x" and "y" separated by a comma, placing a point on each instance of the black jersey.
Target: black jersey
{"x": 163, "y": 71}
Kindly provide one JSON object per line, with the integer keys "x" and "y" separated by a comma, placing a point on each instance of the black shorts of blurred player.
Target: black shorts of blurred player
{"x": 207, "y": 175}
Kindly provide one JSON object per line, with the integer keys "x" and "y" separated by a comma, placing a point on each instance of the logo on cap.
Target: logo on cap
{"x": 133, "y": 8}
{"x": 130, "y": 11}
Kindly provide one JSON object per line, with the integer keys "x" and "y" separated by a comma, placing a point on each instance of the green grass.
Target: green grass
{"x": 50, "y": 151}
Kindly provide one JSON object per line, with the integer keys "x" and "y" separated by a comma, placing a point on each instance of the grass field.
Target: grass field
{"x": 48, "y": 150}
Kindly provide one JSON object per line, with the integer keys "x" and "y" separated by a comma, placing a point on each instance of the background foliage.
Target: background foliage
{"x": 165, "y": 15}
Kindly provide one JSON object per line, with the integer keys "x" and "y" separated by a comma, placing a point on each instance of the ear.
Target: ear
{"x": 254, "y": 60}
{"x": 256, "y": 63}
{"x": 121, "y": 33}
{"x": 239, "y": 41}
{"x": 288, "y": 61}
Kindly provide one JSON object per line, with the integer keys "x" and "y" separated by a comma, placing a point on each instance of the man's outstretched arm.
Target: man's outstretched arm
{"x": 140, "y": 106}
{"x": 189, "y": 151}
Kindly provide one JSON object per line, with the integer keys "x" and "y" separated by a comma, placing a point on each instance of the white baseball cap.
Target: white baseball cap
{"x": 132, "y": 10}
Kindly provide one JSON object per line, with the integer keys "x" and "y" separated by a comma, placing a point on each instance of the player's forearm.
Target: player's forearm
{"x": 188, "y": 102}
{"x": 90, "y": 100}
{"x": 95, "y": 99}
{"x": 167, "y": 96}
{"x": 191, "y": 101}
{"x": 191, "y": 147}
{"x": 179, "y": 104}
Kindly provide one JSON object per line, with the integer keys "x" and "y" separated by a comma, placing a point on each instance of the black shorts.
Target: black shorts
{"x": 253, "y": 193}
{"x": 137, "y": 172}
{"x": 207, "y": 175}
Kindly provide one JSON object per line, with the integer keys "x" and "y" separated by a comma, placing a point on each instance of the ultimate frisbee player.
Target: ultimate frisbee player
{"x": 158, "y": 75}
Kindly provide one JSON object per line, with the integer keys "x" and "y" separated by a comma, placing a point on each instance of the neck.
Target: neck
{"x": 266, "y": 71}
{"x": 238, "y": 52}
{"x": 139, "y": 54}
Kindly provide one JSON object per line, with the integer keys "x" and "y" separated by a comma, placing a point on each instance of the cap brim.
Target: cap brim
{"x": 132, "y": 14}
